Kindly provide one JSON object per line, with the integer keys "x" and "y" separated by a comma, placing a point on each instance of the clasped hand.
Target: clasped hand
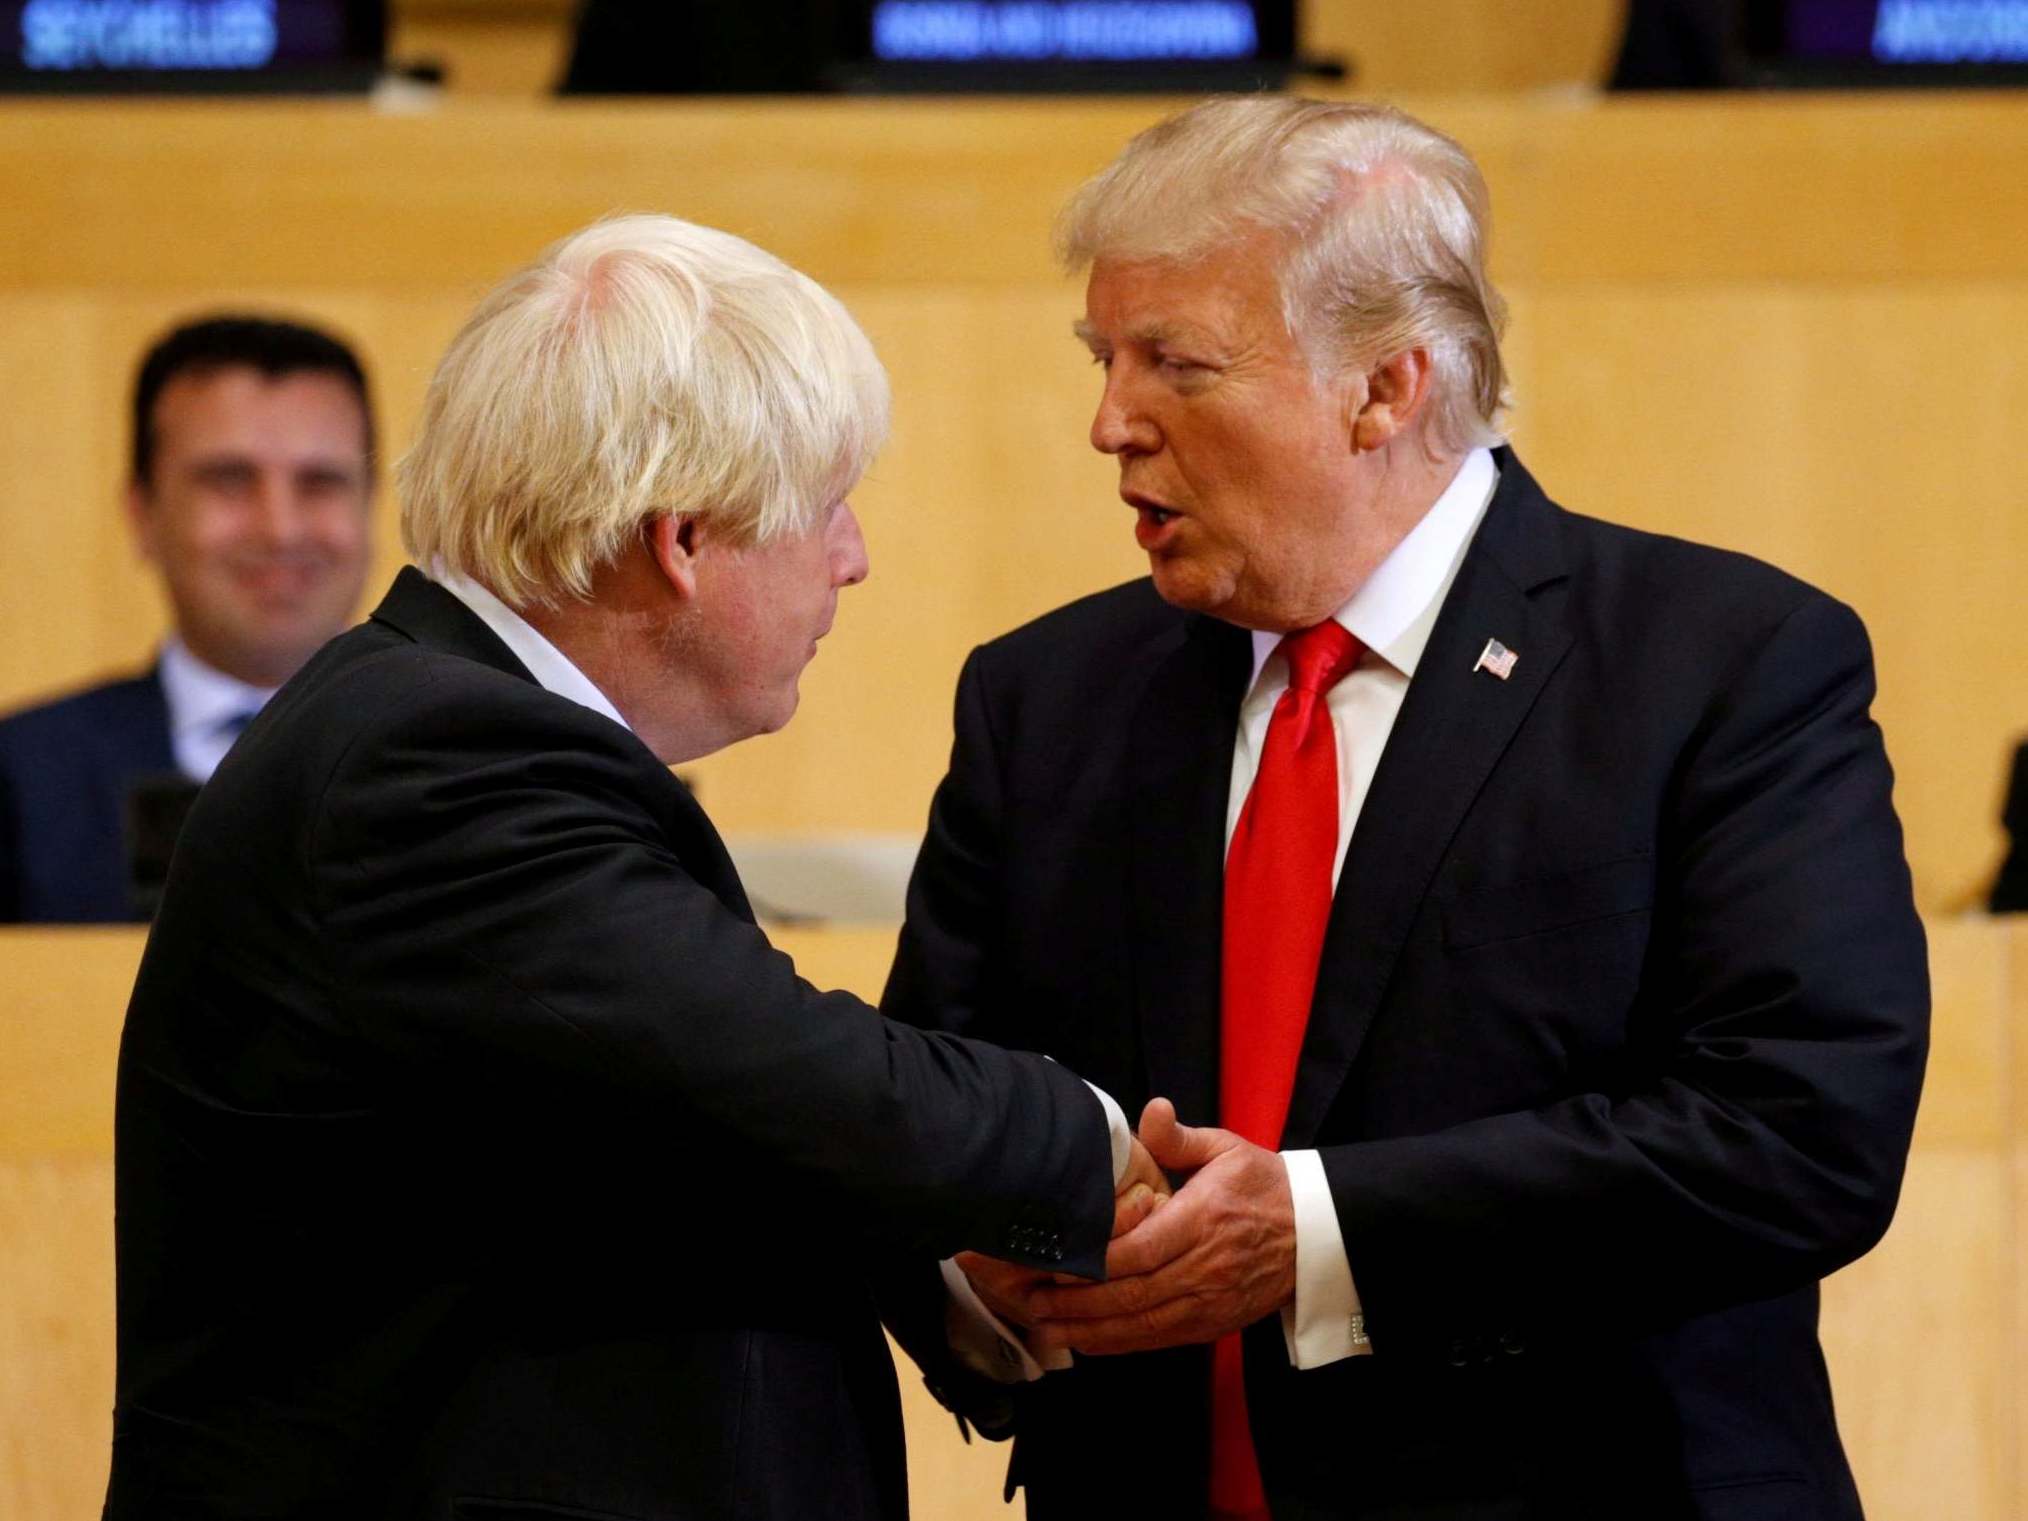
{"x": 1218, "y": 1255}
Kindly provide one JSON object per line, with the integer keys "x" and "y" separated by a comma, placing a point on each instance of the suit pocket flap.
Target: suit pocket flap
{"x": 1489, "y": 914}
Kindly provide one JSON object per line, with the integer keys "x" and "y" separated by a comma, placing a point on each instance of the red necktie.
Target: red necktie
{"x": 1277, "y": 903}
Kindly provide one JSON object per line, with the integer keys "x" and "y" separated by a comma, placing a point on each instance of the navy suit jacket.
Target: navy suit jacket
{"x": 66, "y": 769}
{"x": 474, "y": 1147}
{"x": 1615, "y": 1049}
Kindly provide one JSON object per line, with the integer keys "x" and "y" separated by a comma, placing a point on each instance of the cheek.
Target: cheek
{"x": 208, "y": 531}
{"x": 341, "y": 526}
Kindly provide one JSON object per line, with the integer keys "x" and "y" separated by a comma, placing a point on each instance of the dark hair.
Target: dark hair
{"x": 273, "y": 348}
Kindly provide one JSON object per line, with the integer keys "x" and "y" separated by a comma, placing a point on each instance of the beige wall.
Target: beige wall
{"x": 1791, "y": 326}
{"x": 1927, "y": 1337}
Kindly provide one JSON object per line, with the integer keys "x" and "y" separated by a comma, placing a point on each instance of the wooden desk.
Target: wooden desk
{"x": 1927, "y": 1337}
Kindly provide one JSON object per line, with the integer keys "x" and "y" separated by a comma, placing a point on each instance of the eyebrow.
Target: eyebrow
{"x": 1145, "y": 332}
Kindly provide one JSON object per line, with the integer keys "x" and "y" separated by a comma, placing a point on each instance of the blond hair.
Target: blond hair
{"x": 640, "y": 367}
{"x": 1384, "y": 224}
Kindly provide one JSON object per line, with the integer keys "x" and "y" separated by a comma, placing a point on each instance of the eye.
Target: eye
{"x": 229, "y": 477}
{"x": 1184, "y": 374}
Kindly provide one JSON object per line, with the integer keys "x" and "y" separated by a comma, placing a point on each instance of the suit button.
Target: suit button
{"x": 1513, "y": 1343}
{"x": 1460, "y": 1353}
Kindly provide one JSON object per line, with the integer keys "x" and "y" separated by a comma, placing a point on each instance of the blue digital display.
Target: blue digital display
{"x": 1905, "y": 33}
{"x": 1073, "y": 31}
{"x": 1951, "y": 31}
{"x": 80, "y": 40}
{"x": 148, "y": 34}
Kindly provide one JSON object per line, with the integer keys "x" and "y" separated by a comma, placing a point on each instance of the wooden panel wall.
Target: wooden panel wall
{"x": 1788, "y": 325}
{"x": 1927, "y": 1337}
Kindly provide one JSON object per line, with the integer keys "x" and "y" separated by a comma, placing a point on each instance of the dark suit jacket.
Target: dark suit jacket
{"x": 1615, "y": 1049}
{"x": 66, "y": 769}
{"x": 478, "y": 1157}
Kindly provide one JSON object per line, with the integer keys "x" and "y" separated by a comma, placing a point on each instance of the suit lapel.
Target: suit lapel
{"x": 1180, "y": 766}
{"x": 1454, "y": 725}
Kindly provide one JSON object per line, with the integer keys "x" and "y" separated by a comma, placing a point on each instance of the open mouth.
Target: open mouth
{"x": 1154, "y": 525}
{"x": 1152, "y": 511}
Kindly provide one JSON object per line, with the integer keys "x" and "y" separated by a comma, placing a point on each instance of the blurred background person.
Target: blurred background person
{"x": 250, "y": 486}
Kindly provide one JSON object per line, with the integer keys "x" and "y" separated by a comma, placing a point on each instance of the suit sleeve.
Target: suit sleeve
{"x": 1778, "y": 1051}
{"x": 508, "y": 911}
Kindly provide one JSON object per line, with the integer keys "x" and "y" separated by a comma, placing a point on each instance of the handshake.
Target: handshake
{"x": 1215, "y": 1254}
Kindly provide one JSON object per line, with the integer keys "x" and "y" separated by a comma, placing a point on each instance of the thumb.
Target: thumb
{"x": 1177, "y": 1147}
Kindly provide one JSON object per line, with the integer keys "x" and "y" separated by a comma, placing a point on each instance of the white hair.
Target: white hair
{"x": 641, "y": 367}
{"x": 1383, "y": 222}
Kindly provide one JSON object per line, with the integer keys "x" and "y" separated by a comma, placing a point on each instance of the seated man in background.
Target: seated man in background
{"x": 472, "y": 1140}
{"x": 252, "y": 474}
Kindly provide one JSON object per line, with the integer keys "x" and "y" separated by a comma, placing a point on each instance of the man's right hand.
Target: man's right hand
{"x": 1004, "y": 1287}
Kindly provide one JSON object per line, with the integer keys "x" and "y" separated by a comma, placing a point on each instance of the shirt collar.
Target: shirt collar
{"x": 550, "y": 667}
{"x": 203, "y": 700}
{"x": 1395, "y": 608}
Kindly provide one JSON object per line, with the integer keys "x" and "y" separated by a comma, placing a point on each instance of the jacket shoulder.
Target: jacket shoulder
{"x": 113, "y": 728}
{"x": 1670, "y": 574}
{"x": 129, "y": 702}
{"x": 1099, "y": 625}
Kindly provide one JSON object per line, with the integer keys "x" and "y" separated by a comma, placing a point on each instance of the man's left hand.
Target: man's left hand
{"x": 1219, "y": 1255}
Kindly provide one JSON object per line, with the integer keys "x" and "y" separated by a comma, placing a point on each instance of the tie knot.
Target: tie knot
{"x": 1319, "y": 656}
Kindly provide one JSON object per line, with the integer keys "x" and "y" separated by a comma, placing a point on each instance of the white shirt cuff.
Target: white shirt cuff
{"x": 984, "y": 1342}
{"x": 1116, "y": 1123}
{"x": 1326, "y": 1321}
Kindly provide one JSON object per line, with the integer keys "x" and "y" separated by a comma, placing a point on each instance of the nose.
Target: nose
{"x": 280, "y": 510}
{"x": 1120, "y": 426}
{"x": 849, "y": 564}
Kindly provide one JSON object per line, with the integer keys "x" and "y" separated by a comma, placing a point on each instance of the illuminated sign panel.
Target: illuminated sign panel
{"x": 1027, "y": 31}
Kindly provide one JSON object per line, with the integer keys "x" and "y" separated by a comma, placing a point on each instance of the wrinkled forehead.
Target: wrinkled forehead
{"x": 1228, "y": 290}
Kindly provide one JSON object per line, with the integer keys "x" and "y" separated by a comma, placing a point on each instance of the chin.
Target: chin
{"x": 1182, "y": 584}
{"x": 778, "y": 718}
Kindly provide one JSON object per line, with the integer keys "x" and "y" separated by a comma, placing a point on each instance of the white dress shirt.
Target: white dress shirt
{"x": 550, "y": 667}
{"x": 1391, "y": 614}
{"x": 207, "y": 709}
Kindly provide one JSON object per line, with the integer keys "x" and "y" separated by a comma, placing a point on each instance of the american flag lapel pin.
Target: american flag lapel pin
{"x": 1497, "y": 658}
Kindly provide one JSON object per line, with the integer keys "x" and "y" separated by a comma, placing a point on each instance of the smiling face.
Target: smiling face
{"x": 1237, "y": 459}
{"x": 254, "y": 511}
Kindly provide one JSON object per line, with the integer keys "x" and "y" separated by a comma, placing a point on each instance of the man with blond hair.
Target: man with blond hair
{"x": 1511, "y": 904}
{"x": 470, "y": 1133}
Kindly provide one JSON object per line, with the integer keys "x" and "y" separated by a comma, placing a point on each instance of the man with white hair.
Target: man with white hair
{"x": 1511, "y": 904}
{"x": 470, "y": 1133}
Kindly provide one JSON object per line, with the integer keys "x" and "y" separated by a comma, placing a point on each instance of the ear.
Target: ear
{"x": 674, "y": 540}
{"x": 1394, "y": 399}
{"x": 141, "y": 518}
